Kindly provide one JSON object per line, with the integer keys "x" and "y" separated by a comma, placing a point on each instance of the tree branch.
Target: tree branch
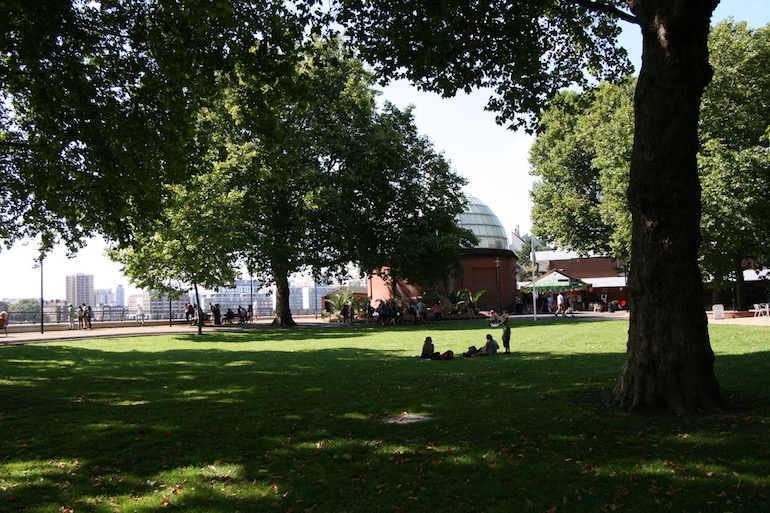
{"x": 592, "y": 5}
{"x": 14, "y": 144}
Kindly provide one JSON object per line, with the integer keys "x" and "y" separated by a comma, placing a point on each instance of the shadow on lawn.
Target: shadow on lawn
{"x": 253, "y": 429}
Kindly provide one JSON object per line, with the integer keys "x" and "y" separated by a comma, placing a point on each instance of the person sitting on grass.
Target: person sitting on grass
{"x": 428, "y": 351}
{"x": 489, "y": 349}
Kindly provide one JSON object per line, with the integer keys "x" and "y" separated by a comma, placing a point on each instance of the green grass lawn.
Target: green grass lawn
{"x": 290, "y": 421}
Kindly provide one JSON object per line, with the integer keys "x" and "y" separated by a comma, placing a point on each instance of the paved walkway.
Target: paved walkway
{"x": 132, "y": 330}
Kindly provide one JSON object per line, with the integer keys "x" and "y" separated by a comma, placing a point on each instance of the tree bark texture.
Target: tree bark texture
{"x": 198, "y": 309}
{"x": 282, "y": 311}
{"x": 669, "y": 361}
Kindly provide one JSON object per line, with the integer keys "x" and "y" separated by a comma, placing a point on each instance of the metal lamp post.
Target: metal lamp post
{"x": 42, "y": 301}
{"x": 497, "y": 276}
{"x": 532, "y": 242}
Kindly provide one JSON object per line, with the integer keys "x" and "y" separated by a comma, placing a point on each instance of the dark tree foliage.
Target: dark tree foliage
{"x": 524, "y": 51}
{"x": 328, "y": 180}
{"x": 407, "y": 205}
{"x": 99, "y": 101}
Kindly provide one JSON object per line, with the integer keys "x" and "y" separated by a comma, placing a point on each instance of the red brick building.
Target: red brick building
{"x": 490, "y": 266}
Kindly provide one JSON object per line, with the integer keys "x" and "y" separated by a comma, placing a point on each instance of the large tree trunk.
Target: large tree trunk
{"x": 282, "y": 310}
{"x": 199, "y": 310}
{"x": 669, "y": 361}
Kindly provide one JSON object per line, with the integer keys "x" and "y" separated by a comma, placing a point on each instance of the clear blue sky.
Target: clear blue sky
{"x": 493, "y": 159}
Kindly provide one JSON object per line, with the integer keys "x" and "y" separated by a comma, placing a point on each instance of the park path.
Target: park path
{"x": 132, "y": 330}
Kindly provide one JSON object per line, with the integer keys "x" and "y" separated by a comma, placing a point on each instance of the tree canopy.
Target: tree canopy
{"x": 524, "y": 51}
{"x": 582, "y": 154}
{"x": 307, "y": 175}
{"x": 190, "y": 245}
{"x": 99, "y": 103}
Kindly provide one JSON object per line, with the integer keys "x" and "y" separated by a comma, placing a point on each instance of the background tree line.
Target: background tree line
{"x": 583, "y": 149}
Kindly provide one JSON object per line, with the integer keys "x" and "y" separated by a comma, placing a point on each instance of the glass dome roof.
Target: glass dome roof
{"x": 480, "y": 219}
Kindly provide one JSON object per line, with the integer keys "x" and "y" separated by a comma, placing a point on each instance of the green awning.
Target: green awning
{"x": 556, "y": 280}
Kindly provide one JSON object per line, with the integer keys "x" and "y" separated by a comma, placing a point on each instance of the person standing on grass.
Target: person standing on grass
{"x": 506, "y": 336}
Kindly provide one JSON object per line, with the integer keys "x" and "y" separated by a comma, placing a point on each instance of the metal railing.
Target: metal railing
{"x": 60, "y": 315}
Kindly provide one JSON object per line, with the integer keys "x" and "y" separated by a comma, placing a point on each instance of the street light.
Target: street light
{"x": 497, "y": 275}
{"x": 42, "y": 301}
{"x": 532, "y": 243}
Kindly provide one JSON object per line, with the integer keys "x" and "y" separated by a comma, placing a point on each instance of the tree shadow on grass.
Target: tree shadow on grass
{"x": 216, "y": 430}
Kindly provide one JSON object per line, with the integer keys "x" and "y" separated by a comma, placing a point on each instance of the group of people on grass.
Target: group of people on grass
{"x": 490, "y": 347}
{"x": 393, "y": 312}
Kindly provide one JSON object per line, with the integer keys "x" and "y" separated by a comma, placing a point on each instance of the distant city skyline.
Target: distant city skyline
{"x": 22, "y": 274}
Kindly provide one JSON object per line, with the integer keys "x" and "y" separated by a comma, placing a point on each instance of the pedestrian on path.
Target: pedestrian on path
{"x": 140, "y": 314}
{"x": 87, "y": 314}
{"x": 71, "y": 312}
